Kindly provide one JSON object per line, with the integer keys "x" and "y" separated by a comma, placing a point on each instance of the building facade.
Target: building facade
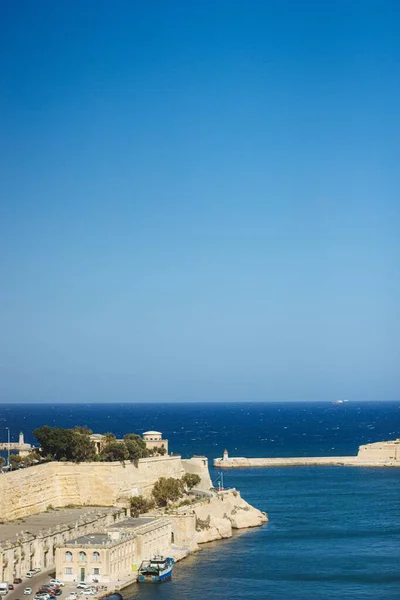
{"x": 35, "y": 546}
{"x": 114, "y": 554}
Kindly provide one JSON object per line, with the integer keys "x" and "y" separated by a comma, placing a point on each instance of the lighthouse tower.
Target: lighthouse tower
{"x": 225, "y": 455}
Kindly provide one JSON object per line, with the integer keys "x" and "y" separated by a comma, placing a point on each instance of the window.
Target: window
{"x": 96, "y": 557}
{"x": 68, "y": 570}
{"x": 96, "y": 571}
{"x": 82, "y": 556}
{"x": 68, "y": 556}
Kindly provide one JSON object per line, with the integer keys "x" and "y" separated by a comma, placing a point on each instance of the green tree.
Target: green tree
{"x": 135, "y": 446}
{"x": 167, "y": 489}
{"x": 190, "y": 480}
{"x": 2, "y": 462}
{"x": 83, "y": 448}
{"x": 55, "y": 442}
{"x": 83, "y": 429}
{"x": 161, "y": 450}
{"x": 30, "y": 459}
{"x": 114, "y": 451}
{"x": 140, "y": 505}
{"x": 65, "y": 444}
{"x": 15, "y": 461}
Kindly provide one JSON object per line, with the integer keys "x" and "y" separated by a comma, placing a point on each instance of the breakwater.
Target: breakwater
{"x": 302, "y": 461}
{"x": 378, "y": 454}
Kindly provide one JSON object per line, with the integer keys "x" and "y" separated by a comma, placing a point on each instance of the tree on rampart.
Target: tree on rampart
{"x": 75, "y": 445}
{"x": 65, "y": 444}
{"x": 16, "y": 461}
{"x": 83, "y": 449}
{"x": 114, "y": 451}
{"x": 190, "y": 480}
{"x": 140, "y": 505}
{"x": 167, "y": 489}
{"x": 55, "y": 442}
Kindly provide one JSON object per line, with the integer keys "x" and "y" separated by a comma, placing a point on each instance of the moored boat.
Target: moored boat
{"x": 156, "y": 570}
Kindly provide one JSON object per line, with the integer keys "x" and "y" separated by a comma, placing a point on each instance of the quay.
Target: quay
{"x": 378, "y": 454}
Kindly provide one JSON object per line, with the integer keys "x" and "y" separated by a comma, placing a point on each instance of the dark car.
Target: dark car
{"x": 10, "y": 586}
{"x": 17, "y": 580}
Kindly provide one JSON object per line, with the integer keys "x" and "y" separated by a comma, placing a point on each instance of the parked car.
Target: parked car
{"x": 17, "y": 580}
{"x": 57, "y": 591}
{"x": 56, "y": 582}
{"x": 72, "y": 596}
{"x": 89, "y": 592}
{"x": 43, "y": 595}
{"x": 37, "y": 569}
{"x": 82, "y": 586}
{"x": 27, "y": 591}
{"x": 30, "y": 574}
{"x": 10, "y": 586}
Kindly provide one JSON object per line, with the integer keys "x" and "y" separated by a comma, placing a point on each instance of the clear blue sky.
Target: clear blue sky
{"x": 199, "y": 200}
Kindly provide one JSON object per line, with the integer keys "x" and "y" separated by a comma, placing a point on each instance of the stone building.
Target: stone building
{"x": 32, "y": 542}
{"x": 154, "y": 439}
{"x": 114, "y": 553}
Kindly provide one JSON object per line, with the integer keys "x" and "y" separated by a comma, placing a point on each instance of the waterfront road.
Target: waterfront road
{"x": 33, "y": 582}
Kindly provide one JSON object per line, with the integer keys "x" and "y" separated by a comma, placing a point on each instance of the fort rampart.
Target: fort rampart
{"x": 58, "y": 484}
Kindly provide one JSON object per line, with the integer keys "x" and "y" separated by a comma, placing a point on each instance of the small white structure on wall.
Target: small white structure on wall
{"x": 154, "y": 439}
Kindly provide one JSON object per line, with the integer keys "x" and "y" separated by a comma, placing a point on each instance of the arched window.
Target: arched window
{"x": 68, "y": 556}
{"x": 96, "y": 557}
{"x": 82, "y": 556}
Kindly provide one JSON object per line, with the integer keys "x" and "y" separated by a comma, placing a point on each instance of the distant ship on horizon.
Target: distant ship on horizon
{"x": 339, "y": 401}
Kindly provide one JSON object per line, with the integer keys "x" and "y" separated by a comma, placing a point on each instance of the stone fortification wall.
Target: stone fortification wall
{"x": 212, "y": 519}
{"x": 198, "y": 465}
{"x": 387, "y": 451}
{"x": 59, "y": 484}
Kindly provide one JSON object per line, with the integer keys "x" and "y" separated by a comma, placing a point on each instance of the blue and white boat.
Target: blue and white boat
{"x": 156, "y": 570}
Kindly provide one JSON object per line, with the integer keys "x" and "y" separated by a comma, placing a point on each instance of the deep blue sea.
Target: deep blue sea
{"x": 334, "y": 532}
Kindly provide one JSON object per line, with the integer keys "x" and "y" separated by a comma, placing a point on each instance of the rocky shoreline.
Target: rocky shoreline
{"x": 212, "y": 519}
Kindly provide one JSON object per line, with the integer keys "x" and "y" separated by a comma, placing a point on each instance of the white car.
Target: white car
{"x": 82, "y": 586}
{"x": 56, "y": 582}
{"x": 30, "y": 574}
{"x": 72, "y": 596}
{"x": 89, "y": 592}
{"x": 27, "y": 591}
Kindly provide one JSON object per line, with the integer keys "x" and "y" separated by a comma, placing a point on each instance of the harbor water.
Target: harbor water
{"x": 334, "y": 532}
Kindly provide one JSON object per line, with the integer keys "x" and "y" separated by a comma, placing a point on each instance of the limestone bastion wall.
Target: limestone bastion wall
{"x": 387, "y": 450}
{"x": 32, "y": 490}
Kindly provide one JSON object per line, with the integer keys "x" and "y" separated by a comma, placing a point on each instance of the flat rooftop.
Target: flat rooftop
{"x": 49, "y": 520}
{"x": 132, "y": 523}
{"x": 92, "y": 539}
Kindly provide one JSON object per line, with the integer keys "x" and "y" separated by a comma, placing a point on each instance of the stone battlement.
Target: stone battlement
{"x": 59, "y": 484}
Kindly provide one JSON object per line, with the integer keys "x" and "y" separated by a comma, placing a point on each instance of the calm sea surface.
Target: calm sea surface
{"x": 334, "y": 533}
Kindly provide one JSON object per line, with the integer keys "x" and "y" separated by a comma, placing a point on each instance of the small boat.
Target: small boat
{"x": 156, "y": 570}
